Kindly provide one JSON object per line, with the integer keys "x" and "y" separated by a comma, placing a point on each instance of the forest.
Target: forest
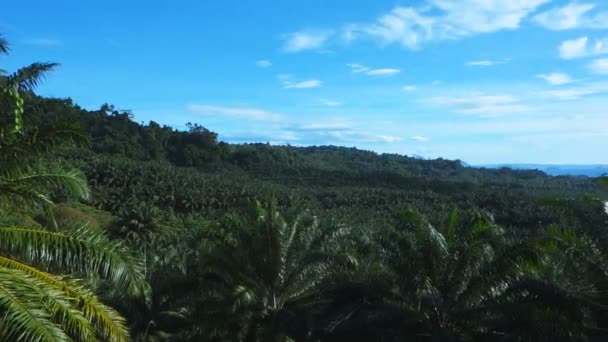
{"x": 113, "y": 230}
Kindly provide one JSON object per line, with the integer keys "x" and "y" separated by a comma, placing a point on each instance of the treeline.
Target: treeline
{"x": 115, "y": 134}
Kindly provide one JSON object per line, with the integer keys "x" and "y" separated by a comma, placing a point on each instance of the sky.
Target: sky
{"x": 483, "y": 81}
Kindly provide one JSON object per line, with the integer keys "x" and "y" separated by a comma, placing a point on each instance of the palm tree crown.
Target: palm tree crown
{"x": 273, "y": 266}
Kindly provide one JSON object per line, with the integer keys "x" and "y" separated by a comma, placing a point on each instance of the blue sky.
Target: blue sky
{"x": 484, "y": 81}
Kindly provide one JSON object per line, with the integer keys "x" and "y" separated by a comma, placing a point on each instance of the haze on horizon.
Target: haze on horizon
{"x": 483, "y": 81}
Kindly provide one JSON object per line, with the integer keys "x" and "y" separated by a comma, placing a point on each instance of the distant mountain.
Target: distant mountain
{"x": 557, "y": 169}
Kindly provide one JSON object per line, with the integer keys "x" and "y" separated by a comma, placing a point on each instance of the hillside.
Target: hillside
{"x": 204, "y": 174}
{"x": 207, "y": 216}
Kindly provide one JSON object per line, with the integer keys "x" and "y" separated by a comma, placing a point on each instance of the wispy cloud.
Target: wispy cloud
{"x": 357, "y": 68}
{"x": 599, "y": 66}
{"x": 44, "y": 42}
{"x": 330, "y": 103}
{"x": 575, "y": 93}
{"x": 409, "y": 87}
{"x": 289, "y": 83}
{"x": 360, "y": 68}
{"x": 556, "y": 78}
{"x": 383, "y": 72}
{"x": 580, "y": 47}
{"x": 420, "y": 138}
{"x": 441, "y": 20}
{"x": 360, "y": 137}
{"x": 338, "y": 131}
{"x": 263, "y": 63}
{"x": 302, "y": 84}
{"x": 569, "y": 94}
{"x": 573, "y": 16}
{"x": 486, "y": 63}
{"x": 331, "y": 124}
{"x": 305, "y": 40}
{"x": 480, "y": 104}
{"x": 239, "y": 113}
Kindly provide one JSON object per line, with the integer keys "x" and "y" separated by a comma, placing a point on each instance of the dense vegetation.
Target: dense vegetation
{"x": 167, "y": 235}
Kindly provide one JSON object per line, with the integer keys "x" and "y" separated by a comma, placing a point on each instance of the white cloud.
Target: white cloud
{"x": 599, "y": 66}
{"x": 575, "y": 48}
{"x": 330, "y": 103}
{"x": 580, "y": 47}
{"x": 480, "y": 104}
{"x": 572, "y": 16}
{"x": 305, "y": 84}
{"x": 339, "y": 130}
{"x": 389, "y": 138}
{"x": 564, "y": 18}
{"x": 442, "y": 19}
{"x": 263, "y": 63}
{"x": 360, "y": 68}
{"x": 357, "y": 68}
{"x": 289, "y": 83}
{"x": 383, "y": 72}
{"x": 240, "y": 113}
{"x": 409, "y": 87}
{"x": 556, "y": 78}
{"x": 328, "y": 124}
{"x": 305, "y": 40}
{"x": 420, "y": 138}
{"x": 485, "y": 63}
{"x": 360, "y": 137}
{"x": 578, "y": 92}
{"x": 569, "y": 94}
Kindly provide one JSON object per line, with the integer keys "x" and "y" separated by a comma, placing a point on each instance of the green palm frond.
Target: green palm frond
{"x": 271, "y": 267}
{"x": 83, "y": 252}
{"x": 28, "y": 78}
{"x": 35, "y": 305}
{"x": 85, "y": 315}
{"x": 35, "y": 142}
{"x": 24, "y": 316}
{"x": 4, "y": 47}
{"x": 32, "y": 188}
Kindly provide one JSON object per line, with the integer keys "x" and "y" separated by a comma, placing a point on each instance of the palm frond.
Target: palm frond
{"x": 24, "y": 318}
{"x": 86, "y": 314}
{"x": 4, "y": 47}
{"x": 83, "y": 252}
{"x": 42, "y": 139}
{"x": 33, "y": 188}
{"x": 28, "y": 78}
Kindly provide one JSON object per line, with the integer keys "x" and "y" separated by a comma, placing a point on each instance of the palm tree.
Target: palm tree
{"x": 35, "y": 304}
{"x": 270, "y": 268}
{"x": 21, "y": 180}
{"x": 434, "y": 283}
{"x": 566, "y": 297}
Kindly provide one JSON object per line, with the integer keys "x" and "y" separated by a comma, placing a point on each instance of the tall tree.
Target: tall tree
{"x": 436, "y": 282}
{"x": 270, "y": 268}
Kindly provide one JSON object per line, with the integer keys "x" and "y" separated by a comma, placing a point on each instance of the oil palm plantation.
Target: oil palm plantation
{"x": 433, "y": 282}
{"x": 38, "y": 302}
{"x": 269, "y": 269}
{"x": 566, "y": 297}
